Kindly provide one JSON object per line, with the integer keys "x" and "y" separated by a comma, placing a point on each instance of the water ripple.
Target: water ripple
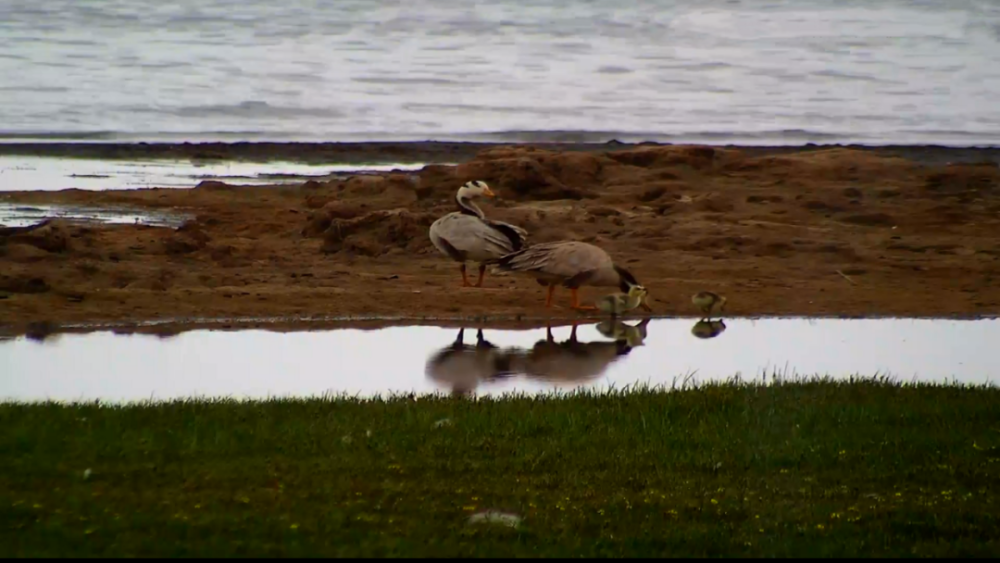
{"x": 368, "y": 69}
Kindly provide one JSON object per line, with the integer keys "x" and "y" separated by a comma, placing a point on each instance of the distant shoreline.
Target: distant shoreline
{"x": 428, "y": 152}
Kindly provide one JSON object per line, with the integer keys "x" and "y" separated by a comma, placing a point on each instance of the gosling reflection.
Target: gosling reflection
{"x": 575, "y": 361}
{"x": 43, "y": 331}
{"x": 635, "y": 335}
{"x": 462, "y": 367}
{"x": 708, "y": 329}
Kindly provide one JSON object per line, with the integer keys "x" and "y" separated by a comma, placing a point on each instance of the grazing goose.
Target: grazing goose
{"x": 572, "y": 264}
{"x": 706, "y": 301}
{"x": 467, "y": 235}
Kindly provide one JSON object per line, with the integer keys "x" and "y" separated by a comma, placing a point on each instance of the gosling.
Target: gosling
{"x": 618, "y": 303}
{"x": 706, "y": 301}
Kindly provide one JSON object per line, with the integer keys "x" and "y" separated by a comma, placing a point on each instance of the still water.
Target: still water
{"x": 421, "y": 359}
{"x": 28, "y": 173}
{"x": 20, "y": 215}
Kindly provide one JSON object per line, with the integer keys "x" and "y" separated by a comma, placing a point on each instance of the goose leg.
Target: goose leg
{"x": 482, "y": 272}
{"x": 465, "y": 277}
{"x": 576, "y": 301}
{"x": 548, "y": 301}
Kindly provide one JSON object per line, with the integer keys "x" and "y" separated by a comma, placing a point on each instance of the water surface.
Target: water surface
{"x": 21, "y": 215}
{"x": 716, "y": 71}
{"x": 26, "y": 173}
{"x": 421, "y": 359}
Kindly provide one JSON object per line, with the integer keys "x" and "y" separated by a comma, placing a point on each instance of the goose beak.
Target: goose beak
{"x": 488, "y": 192}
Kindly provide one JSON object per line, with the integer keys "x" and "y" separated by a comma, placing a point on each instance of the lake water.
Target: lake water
{"x": 715, "y": 71}
{"x": 19, "y": 215}
{"x": 28, "y": 173}
{"x": 261, "y": 363}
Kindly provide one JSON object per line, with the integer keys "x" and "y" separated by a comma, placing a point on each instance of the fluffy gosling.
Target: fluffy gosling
{"x": 618, "y": 303}
{"x": 706, "y": 301}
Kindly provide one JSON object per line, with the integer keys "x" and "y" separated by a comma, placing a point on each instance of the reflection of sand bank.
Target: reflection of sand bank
{"x": 770, "y": 230}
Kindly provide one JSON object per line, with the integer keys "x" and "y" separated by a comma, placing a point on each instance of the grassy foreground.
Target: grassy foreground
{"x": 866, "y": 468}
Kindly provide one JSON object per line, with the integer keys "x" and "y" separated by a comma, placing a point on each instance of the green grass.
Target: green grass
{"x": 866, "y": 468}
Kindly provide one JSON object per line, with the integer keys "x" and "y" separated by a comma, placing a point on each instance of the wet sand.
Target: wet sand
{"x": 898, "y": 231}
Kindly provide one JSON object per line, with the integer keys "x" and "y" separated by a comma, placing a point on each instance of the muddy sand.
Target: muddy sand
{"x": 823, "y": 231}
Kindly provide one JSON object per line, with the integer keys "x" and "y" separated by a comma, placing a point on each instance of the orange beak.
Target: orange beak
{"x": 488, "y": 192}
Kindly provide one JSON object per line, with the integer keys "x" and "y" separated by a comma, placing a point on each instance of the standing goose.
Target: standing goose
{"x": 571, "y": 264}
{"x": 467, "y": 235}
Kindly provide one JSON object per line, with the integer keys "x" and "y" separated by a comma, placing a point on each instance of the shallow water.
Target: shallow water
{"x": 39, "y": 173}
{"x": 19, "y": 215}
{"x": 717, "y": 71}
{"x": 260, "y": 363}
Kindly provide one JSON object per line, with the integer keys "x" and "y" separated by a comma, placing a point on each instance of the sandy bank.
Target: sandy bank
{"x": 780, "y": 231}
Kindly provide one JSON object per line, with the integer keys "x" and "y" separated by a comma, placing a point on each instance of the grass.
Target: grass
{"x": 815, "y": 468}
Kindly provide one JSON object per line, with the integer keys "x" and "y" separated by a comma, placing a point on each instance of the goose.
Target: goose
{"x": 706, "y": 301}
{"x": 467, "y": 235}
{"x": 572, "y": 264}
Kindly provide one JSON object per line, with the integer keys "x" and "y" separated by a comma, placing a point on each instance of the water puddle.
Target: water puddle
{"x": 426, "y": 359}
{"x": 48, "y": 174}
{"x": 21, "y": 215}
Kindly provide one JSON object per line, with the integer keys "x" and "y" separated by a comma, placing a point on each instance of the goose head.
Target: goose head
{"x": 475, "y": 189}
{"x": 631, "y": 286}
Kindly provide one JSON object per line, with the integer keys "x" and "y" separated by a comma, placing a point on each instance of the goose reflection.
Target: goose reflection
{"x": 575, "y": 361}
{"x": 462, "y": 367}
{"x": 708, "y": 329}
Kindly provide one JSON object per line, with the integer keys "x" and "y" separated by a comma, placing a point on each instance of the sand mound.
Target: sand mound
{"x": 372, "y": 234}
{"x": 51, "y": 235}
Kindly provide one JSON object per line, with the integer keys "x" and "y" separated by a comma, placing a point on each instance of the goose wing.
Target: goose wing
{"x": 563, "y": 259}
{"x": 477, "y": 238}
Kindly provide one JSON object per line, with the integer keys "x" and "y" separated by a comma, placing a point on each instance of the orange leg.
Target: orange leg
{"x": 548, "y": 302}
{"x": 465, "y": 278}
{"x": 576, "y": 301}
{"x": 482, "y": 272}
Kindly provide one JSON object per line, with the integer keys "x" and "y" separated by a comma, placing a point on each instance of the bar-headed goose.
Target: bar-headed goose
{"x": 571, "y": 264}
{"x": 467, "y": 235}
